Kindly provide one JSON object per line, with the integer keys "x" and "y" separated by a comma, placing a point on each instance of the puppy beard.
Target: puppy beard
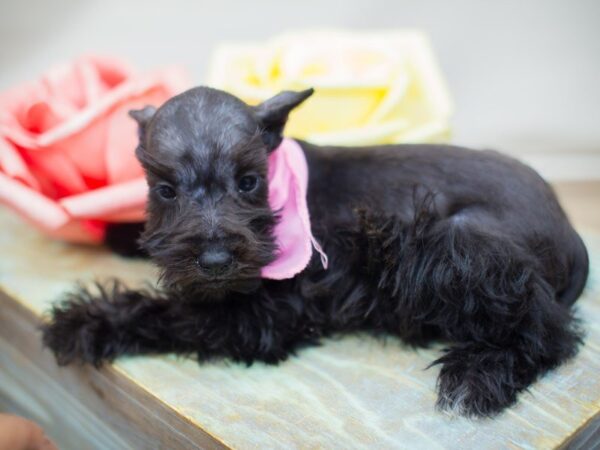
{"x": 179, "y": 270}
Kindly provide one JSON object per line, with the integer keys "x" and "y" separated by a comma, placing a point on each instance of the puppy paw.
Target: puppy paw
{"x": 477, "y": 383}
{"x": 78, "y": 331}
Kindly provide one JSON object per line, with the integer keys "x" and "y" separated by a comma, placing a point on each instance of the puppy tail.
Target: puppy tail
{"x": 578, "y": 275}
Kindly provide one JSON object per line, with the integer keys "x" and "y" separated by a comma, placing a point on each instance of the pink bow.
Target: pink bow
{"x": 288, "y": 182}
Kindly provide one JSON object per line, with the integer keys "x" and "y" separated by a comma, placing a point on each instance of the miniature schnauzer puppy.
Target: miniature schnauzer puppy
{"x": 425, "y": 242}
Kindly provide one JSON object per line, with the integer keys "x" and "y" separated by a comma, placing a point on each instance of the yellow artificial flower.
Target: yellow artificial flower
{"x": 370, "y": 87}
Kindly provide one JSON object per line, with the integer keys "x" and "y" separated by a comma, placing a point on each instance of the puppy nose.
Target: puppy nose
{"x": 215, "y": 261}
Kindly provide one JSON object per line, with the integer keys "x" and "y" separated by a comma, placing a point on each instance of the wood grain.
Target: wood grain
{"x": 82, "y": 407}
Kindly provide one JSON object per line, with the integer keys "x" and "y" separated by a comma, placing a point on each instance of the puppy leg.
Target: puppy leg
{"x": 483, "y": 376}
{"x": 122, "y": 238}
{"x": 96, "y": 326}
{"x": 504, "y": 318}
{"x": 480, "y": 379}
{"x": 484, "y": 292}
{"x": 105, "y": 322}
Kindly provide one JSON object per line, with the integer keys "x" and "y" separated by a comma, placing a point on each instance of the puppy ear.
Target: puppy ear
{"x": 273, "y": 113}
{"x": 142, "y": 117}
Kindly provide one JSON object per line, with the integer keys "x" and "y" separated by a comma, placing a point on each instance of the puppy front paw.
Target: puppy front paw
{"x": 79, "y": 332}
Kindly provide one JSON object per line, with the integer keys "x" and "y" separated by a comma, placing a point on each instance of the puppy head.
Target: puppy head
{"x": 209, "y": 225}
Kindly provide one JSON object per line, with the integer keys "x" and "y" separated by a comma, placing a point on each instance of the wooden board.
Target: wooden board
{"x": 83, "y": 408}
{"x": 352, "y": 392}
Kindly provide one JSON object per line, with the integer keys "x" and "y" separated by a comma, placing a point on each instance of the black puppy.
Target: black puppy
{"x": 424, "y": 242}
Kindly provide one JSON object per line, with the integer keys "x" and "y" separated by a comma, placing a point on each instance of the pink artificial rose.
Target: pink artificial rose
{"x": 67, "y": 145}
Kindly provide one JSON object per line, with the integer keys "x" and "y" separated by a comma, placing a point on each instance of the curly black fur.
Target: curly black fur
{"x": 424, "y": 242}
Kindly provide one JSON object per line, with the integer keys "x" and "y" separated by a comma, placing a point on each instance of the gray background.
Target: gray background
{"x": 524, "y": 75}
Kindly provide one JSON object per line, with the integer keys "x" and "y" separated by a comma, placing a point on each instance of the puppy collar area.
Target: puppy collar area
{"x": 288, "y": 183}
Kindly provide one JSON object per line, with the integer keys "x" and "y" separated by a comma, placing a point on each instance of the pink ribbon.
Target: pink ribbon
{"x": 288, "y": 182}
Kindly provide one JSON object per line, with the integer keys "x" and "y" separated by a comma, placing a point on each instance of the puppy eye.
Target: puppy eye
{"x": 166, "y": 192}
{"x": 248, "y": 183}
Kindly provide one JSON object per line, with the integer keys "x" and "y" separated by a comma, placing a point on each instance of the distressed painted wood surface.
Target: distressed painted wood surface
{"x": 80, "y": 407}
{"x": 352, "y": 392}
{"x": 28, "y": 391}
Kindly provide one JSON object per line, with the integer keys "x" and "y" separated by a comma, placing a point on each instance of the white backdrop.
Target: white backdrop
{"x": 524, "y": 75}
